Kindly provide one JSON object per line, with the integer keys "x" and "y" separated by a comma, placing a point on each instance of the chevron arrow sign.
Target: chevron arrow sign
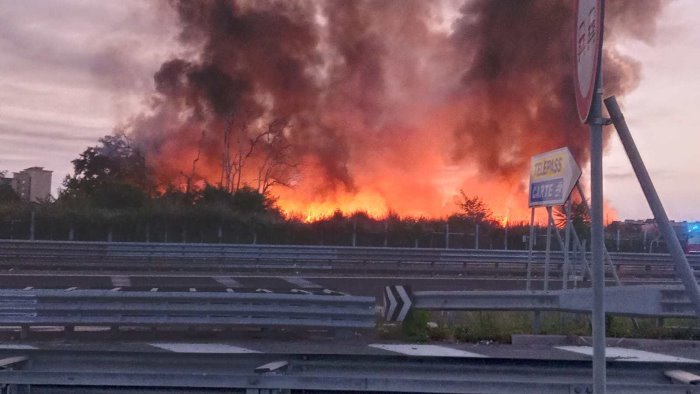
{"x": 397, "y": 302}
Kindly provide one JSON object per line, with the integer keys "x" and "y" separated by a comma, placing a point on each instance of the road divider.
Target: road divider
{"x": 296, "y": 260}
{"x": 28, "y": 308}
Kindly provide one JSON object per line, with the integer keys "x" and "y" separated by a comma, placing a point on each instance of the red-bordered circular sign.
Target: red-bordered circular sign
{"x": 588, "y": 42}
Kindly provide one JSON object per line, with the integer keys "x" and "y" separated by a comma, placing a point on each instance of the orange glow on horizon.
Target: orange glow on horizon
{"x": 402, "y": 171}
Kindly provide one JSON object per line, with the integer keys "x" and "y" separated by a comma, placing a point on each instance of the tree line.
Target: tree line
{"x": 112, "y": 197}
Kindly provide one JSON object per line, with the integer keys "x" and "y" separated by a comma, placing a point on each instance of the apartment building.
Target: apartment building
{"x": 32, "y": 184}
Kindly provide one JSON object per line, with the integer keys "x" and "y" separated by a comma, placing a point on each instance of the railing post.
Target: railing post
{"x": 354, "y": 231}
{"x": 386, "y": 231}
{"x": 447, "y": 234}
{"x": 31, "y": 225}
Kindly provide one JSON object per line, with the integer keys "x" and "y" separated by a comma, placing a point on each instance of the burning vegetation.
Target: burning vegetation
{"x": 374, "y": 106}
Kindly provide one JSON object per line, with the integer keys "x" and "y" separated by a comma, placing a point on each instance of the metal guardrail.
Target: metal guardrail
{"x": 88, "y": 371}
{"x": 654, "y": 301}
{"x": 104, "y": 256}
{"x": 114, "y": 308}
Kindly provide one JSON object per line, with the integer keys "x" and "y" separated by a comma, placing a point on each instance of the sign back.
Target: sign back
{"x": 588, "y": 43}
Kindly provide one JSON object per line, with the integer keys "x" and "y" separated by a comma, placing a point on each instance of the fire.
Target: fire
{"x": 504, "y": 220}
{"x": 371, "y": 204}
{"x": 379, "y": 195}
{"x": 382, "y": 109}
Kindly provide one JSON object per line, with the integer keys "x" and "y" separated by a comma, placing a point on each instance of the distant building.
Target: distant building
{"x": 31, "y": 184}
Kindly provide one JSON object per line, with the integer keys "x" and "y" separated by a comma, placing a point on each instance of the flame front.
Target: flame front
{"x": 376, "y": 107}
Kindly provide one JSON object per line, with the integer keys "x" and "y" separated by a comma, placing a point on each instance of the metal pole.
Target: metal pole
{"x": 529, "y": 249}
{"x": 447, "y": 234}
{"x": 598, "y": 316}
{"x": 547, "y": 247}
{"x": 567, "y": 243}
{"x": 354, "y": 231}
{"x": 576, "y": 257}
{"x": 536, "y": 317}
{"x": 386, "y": 232}
{"x": 608, "y": 259}
{"x": 476, "y": 239}
{"x": 683, "y": 269}
{"x": 582, "y": 254}
{"x": 31, "y": 226}
{"x": 506, "y": 238}
{"x": 562, "y": 246}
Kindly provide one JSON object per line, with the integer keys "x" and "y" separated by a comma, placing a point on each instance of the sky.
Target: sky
{"x": 71, "y": 70}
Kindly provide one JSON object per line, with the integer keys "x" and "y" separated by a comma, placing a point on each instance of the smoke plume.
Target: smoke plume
{"x": 375, "y": 105}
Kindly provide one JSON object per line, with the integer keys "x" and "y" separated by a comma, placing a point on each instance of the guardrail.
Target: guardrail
{"x": 643, "y": 301}
{"x": 104, "y": 256}
{"x": 196, "y": 309}
{"x": 95, "y": 371}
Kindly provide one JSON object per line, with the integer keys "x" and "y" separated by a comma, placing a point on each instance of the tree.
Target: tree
{"x": 258, "y": 143}
{"x": 115, "y": 161}
{"x": 580, "y": 218}
{"x": 474, "y": 209}
{"x": 8, "y": 195}
{"x": 276, "y": 163}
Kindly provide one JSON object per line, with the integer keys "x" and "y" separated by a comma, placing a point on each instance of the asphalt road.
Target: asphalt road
{"x": 363, "y": 286}
{"x": 557, "y": 348}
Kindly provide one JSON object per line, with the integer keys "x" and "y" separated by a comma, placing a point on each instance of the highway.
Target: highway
{"x": 166, "y": 288}
{"x": 357, "y": 271}
{"x": 255, "y": 366}
{"x": 299, "y": 260}
{"x": 355, "y": 285}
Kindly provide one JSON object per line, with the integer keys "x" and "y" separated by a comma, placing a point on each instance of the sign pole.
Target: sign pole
{"x": 529, "y": 248}
{"x": 598, "y": 317}
{"x": 567, "y": 243}
{"x": 608, "y": 259}
{"x": 588, "y": 86}
{"x": 547, "y": 248}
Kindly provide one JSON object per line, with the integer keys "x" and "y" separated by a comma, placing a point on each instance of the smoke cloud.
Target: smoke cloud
{"x": 377, "y": 105}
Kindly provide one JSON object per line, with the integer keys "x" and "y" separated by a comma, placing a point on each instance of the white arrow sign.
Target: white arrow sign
{"x": 553, "y": 175}
{"x": 397, "y": 302}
